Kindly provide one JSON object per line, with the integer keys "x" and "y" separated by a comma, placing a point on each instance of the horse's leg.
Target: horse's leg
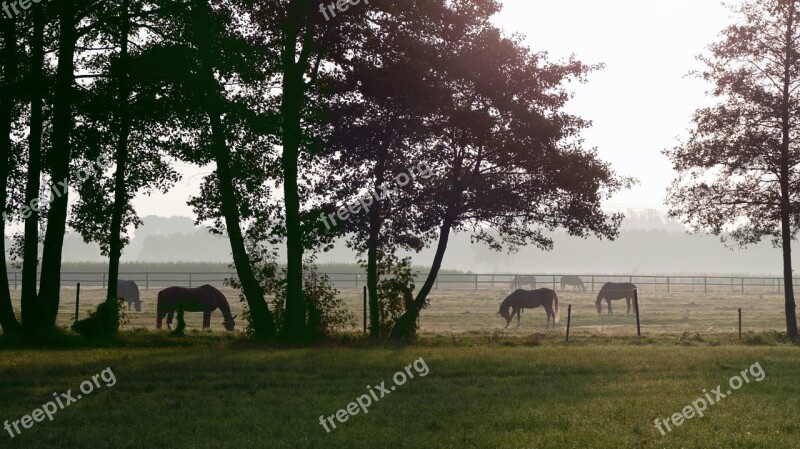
{"x": 169, "y": 319}
{"x": 609, "y": 306}
{"x": 206, "y": 321}
{"x": 519, "y": 317}
{"x": 160, "y": 319}
{"x": 628, "y": 301}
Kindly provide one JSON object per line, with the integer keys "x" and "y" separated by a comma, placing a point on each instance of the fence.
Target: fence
{"x": 460, "y": 281}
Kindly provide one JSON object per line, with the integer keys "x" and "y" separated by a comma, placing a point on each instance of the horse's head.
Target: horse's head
{"x": 599, "y": 303}
{"x": 505, "y": 314}
{"x": 138, "y": 306}
{"x": 230, "y": 323}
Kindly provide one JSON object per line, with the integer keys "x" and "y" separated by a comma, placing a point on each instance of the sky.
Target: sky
{"x": 640, "y": 103}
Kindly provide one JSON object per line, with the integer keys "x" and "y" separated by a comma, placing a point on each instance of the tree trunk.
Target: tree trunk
{"x": 375, "y": 224}
{"x": 30, "y": 307}
{"x": 786, "y": 233}
{"x": 262, "y": 320}
{"x": 294, "y": 323}
{"x": 8, "y": 320}
{"x": 58, "y": 159}
{"x": 405, "y": 324}
{"x": 120, "y": 188}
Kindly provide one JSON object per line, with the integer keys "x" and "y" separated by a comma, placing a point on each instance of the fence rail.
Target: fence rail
{"x": 461, "y": 281}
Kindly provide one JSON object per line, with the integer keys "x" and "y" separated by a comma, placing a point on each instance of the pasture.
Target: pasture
{"x": 209, "y": 390}
{"x": 460, "y": 311}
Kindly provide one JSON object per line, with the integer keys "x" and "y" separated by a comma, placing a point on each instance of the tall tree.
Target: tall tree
{"x": 506, "y": 156}
{"x": 203, "y": 29}
{"x": 122, "y": 151}
{"x": 739, "y": 170}
{"x": 58, "y": 160}
{"x": 30, "y": 308}
{"x": 9, "y": 55}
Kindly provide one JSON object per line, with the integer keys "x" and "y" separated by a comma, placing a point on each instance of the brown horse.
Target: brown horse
{"x": 574, "y": 281}
{"x": 204, "y": 299}
{"x": 530, "y": 299}
{"x": 613, "y": 291}
{"x": 523, "y": 281}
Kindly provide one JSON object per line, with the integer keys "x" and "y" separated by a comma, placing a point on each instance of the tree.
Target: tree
{"x": 58, "y": 159}
{"x": 378, "y": 110}
{"x": 738, "y": 169}
{"x": 505, "y": 155}
{"x": 8, "y": 85}
{"x": 203, "y": 26}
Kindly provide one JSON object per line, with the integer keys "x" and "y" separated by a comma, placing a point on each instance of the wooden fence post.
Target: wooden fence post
{"x": 147, "y": 281}
{"x": 740, "y": 323}
{"x": 77, "y": 301}
{"x": 190, "y": 280}
{"x": 705, "y": 284}
{"x": 569, "y": 319}
{"x": 592, "y": 283}
{"x": 104, "y": 280}
{"x": 365, "y": 309}
{"x": 743, "y": 285}
{"x": 667, "y": 284}
{"x": 636, "y": 307}
{"x": 15, "y": 280}
{"x": 476, "y": 281}
{"x": 554, "y": 282}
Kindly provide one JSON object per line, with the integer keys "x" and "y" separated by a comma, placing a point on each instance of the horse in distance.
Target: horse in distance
{"x": 129, "y": 291}
{"x": 574, "y": 281}
{"x": 530, "y": 299}
{"x": 613, "y": 291}
{"x": 204, "y": 299}
{"x": 523, "y": 281}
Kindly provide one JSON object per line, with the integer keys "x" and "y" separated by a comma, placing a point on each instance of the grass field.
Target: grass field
{"x": 459, "y": 311}
{"x": 532, "y": 391}
{"x": 485, "y": 387}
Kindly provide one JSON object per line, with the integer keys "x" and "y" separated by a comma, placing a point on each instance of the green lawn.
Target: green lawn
{"x": 481, "y": 391}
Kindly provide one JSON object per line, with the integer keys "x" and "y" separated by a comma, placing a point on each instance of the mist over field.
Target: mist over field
{"x": 649, "y": 243}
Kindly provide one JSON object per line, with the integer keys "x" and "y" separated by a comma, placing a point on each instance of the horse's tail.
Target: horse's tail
{"x": 555, "y": 307}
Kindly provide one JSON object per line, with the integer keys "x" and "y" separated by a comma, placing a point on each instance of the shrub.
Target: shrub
{"x": 325, "y": 313}
{"x": 104, "y": 321}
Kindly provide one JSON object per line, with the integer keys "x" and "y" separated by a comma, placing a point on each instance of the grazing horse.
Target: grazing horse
{"x": 204, "y": 299}
{"x": 530, "y": 299}
{"x": 574, "y": 281}
{"x": 612, "y": 291}
{"x": 129, "y": 291}
{"x": 521, "y": 281}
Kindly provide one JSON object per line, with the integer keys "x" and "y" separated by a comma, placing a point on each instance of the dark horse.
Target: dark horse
{"x": 530, "y": 299}
{"x": 129, "y": 291}
{"x": 615, "y": 290}
{"x": 204, "y": 299}
{"x": 574, "y": 281}
{"x": 522, "y": 281}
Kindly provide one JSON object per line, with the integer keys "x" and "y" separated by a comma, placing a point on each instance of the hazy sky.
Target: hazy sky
{"x": 640, "y": 103}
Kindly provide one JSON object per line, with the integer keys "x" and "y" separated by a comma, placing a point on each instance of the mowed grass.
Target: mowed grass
{"x": 214, "y": 391}
{"x": 462, "y": 311}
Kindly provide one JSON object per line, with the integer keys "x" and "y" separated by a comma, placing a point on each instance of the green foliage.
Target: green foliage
{"x": 181, "y": 326}
{"x": 396, "y": 278}
{"x": 326, "y": 312}
{"x": 104, "y": 322}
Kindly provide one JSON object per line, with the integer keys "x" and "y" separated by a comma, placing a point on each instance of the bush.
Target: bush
{"x": 103, "y": 322}
{"x": 326, "y": 312}
{"x": 395, "y": 284}
{"x": 181, "y": 326}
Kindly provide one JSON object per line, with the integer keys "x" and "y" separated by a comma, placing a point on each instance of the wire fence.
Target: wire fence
{"x": 459, "y": 281}
{"x": 469, "y": 302}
